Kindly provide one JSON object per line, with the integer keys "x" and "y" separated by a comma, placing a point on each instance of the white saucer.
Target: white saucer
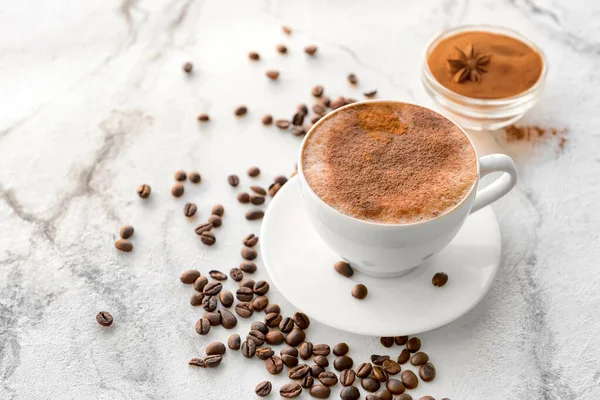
{"x": 301, "y": 266}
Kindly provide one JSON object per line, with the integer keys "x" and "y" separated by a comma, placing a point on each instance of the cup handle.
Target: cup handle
{"x": 501, "y": 186}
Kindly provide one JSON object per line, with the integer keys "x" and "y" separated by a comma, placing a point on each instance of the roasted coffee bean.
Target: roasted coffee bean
{"x": 386, "y": 341}
{"x": 298, "y": 118}
{"x": 350, "y": 393}
{"x": 273, "y": 319}
{"x": 409, "y": 379}
{"x": 253, "y": 171}
{"x": 319, "y": 109}
{"x": 352, "y": 79}
{"x": 228, "y": 320}
{"x": 260, "y": 303}
{"x": 341, "y": 349}
{"x": 189, "y": 276}
{"x": 404, "y": 396}
{"x": 380, "y": 374}
{"x": 414, "y": 344}
{"x": 197, "y": 362}
{"x": 205, "y": 227}
{"x": 208, "y": 238}
{"x": 274, "y": 188}
{"x": 203, "y": 117}
{"x": 275, "y": 338}
{"x": 364, "y": 370}
{"x": 404, "y": 356}
{"x": 316, "y": 370}
{"x": 281, "y": 180}
{"x": 307, "y": 382}
{"x": 317, "y": 91}
{"x": 274, "y": 365}
{"x": 217, "y": 275}
{"x": 286, "y": 325}
{"x": 321, "y": 349}
{"x": 401, "y": 340}
{"x": 248, "y": 266}
{"x": 267, "y": 119}
{"x": 218, "y": 210}
{"x": 261, "y": 287}
{"x": 378, "y": 359}
{"x": 189, "y": 210}
{"x": 215, "y": 221}
{"x": 295, "y": 337}
{"x": 202, "y": 326}
{"x": 250, "y": 240}
{"x": 248, "y": 348}
{"x": 439, "y": 279}
{"x": 194, "y": 177}
{"x": 326, "y": 101}
{"x": 180, "y": 176}
{"x": 212, "y": 288}
{"x": 337, "y": 103}
{"x": 234, "y": 342}
{"x": 124, "y": 245}
{"x": 281, "y": 48}
{"x": 233, "y": 180}
{"x": 243, "y": 198}
{"x": 258, "y": 190}
{"x": 209, "y": 303}
{"x": 427, "y": 398}
{"x": 321, "y": 361}
{"x": 257, "y": 200}
{"x": 391, "y": 367}
{"x": 200, "y": 283}
{"x": 244, "y": 309}
{"x": 259, "y": 326}
{"x": 298, "y": 131}
{"x": 371, "y": 93}
{"x": 360, "y": 291}
{"x": 196, "y": 299}
{"x": 264, "y": 352}
{"x": 187, "y": 67}
{"x": 177, "y": 190}
{"x": 302, "y": 321}
{"x": 263, "y": 389}
{"x": 427, "y": 372}
{"x": 104, "y": 318}
{"x": 144, "y": 191}
{"x": 282, "y": 124}
{"x": 213, "y": 361}
{"x": 257, "y": 336}
{"x": 320, "y": 392}
{"x": 383, "y": 394}
{"x": 236, "y": 274}
{"x": 254, "y": 215}
{"x": 272, "y": 74}
{"x": 126, "y": 231}
{"x": 289, "y": 361}
{"x": 306, "y": 350}
{"x": 343, "y": 268}
{"x": 215, "y": 348}
{"x": 290, "y": 390}
{"x": 254, "y": 56}
{"x": 213, "y": 318}
{"x": 395, "y": 386}
{"x": 370, "y": 384}
{"x": 419, "y": 358}
{"x": 272, "y": 308}
{"x": 315, "y": 118}
{"x": 347, "y": 377}
{"x": 244, "y": 294}
{"x": 343, "y": 362}
{"x": 311, "y": 49}
{"x": 240, "y": 110}
{"x": 328, "y": 378}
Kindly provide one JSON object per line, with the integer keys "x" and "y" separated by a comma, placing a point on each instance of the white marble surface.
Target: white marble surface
{"x": 94, "y": 103}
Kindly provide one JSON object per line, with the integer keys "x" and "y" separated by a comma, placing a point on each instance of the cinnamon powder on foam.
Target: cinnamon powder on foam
{"x": 389, "y": 163}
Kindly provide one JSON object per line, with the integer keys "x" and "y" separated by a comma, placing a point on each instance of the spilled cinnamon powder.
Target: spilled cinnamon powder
{"x": 534, "y": 133}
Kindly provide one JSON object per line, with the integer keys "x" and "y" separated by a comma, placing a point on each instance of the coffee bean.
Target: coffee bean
{"x": 180, "y": 176}
{"x": 307, "y": 382}
{"x": 196, "y": 299}
{"x": 282, "y": 124}
{"x": 372, "y": 93}
{"x": 208, "y": 238}
{"x": 359, "y": 291}
{"x": 189, "y": 276}
{"x": 401, "y": 340}
{"x": 427, "y": 398}
{"x": 248, "y": 348}
{"x": 257, "y": 336}
{"x": 302, "y": 321}
{"x": 126, "y": 231}
{"x": 295, "y": 337}
{"x": 321, "y": 349}
{"x": 395, "y": 386}
{"x": 233, "y": 180}
{"x": 391, "y": 367}
{"x": 200, "y": 229}
{"x": 177, "y": 190}
{"x": 212, "y": 289}
{"x": 320, "y": 392}
{"x": 404, "y": 356}
{"x": 386, "y": 341}
{"x": 215, "y": 221}
{"x": 427, "y": 372}
{"x": 364, "y": 370}
{"x": 298, "y": 118}
{"x": 383, "y": 394}
{"x": 319, "y": 109}
{"x": 272, "y": 319}
{"x": 259, "y": 190}
{"x": 264, "y": 352}
{"x": 404, "y": 396}
{"x": 274, "y": 365}
{"x": 240, "y": 110}
{"x": 350, "y": 393}
{"x": 439, "y": 279}
{"x": 257, "y": 200}
{"x": 352, "y": 79}
{"x": 228, "y": 320}
{"x": 347, "y": 377}
{"x": 311, "y": 49}
{"x": 104, "y": 318}
{"x": 378, "y": 360}
{"x": 272, "y": 308}
{"x": 290, "y": 390}
{"x": 200, "y": 283}
{"x": 281, "y": 49}
{"x": 306, "y": 350}
{"x": 289, "y": 361}
{"x": 249, "y": 283}
{"x": 209, "y": 303}
{"x": 274, "y": 188}
{"x": 419, "y": 358}
{"x": 254, "y": 56}
{"x": 337, "y": 103}
{"x": 244, "y": 309}
{"x": 315, "y": 118}
{"x": 246, "y": 266}
{"x": 202, "y": 326}
{"x": 263, "y": 389}
{"x": 380, "y": 374}
{"x": 144, "y": 191}
{"x": 259, "y": 326}
{"x": 316, "y": 370}
{"x": 218, "y": 210}
{"x": 272, "y": 74}
{"x": 260, "y": 303}
{"x": 274, "y": 338}
{"x": 261, "y": 287}
{"x": 302, "y": 108}
{"x": 244, "y": 294}
{"x": 343, "y": 268}
{"x": 414, "y": 344}
{"x": 341, "y": 349}
{"x": 321, "y": 361}
{"x": 234, "y": 342}
{"x": 236, "y": 274}
{"x": 124, "y": 245}
{"x": 215, "y": 348}
{"x": 217, "y": 275}
{"x": 298, "y": 131}
{"x": 243, "y": 197}
{"x": 187, "y": 67}
{"x": 194, "y": 177}
{"x": 267, "y": 119}
{"x": 343, "y": 362}
{"x": 370, "y": 384}
{"x": 286, "y": 325}
{"x": 326, "y": 101}
{"x": 409, "y": 379}
{"x": 250, "y": 240}
{"x": 328, "y": 378}
{"x": 213, "y": 361}
{"x": 189, "y": 210}
{"x": 254, "y": 215}
{"x": 203, "y": 118}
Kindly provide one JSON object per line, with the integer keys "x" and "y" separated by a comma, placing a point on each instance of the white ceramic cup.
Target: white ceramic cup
{"x": 385, "y": 250}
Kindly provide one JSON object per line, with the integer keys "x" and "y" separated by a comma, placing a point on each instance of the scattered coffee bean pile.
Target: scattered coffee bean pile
{"x": 124, "y": 244}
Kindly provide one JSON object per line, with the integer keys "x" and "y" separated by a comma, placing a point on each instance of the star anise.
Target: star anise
{"x": 469, "y": 65}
